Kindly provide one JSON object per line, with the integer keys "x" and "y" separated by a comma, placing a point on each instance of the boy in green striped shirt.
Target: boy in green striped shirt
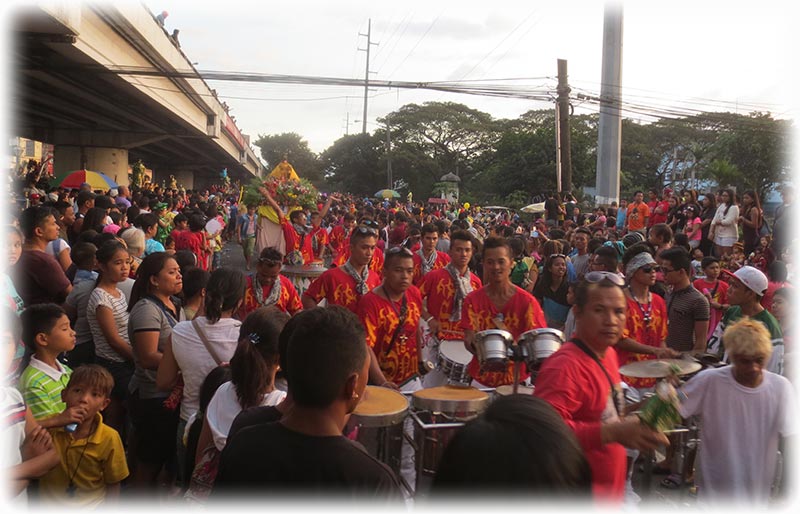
{"x": 46, "y": 334}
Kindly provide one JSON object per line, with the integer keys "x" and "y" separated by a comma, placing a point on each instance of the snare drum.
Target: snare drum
{"x": 438, "y": 413}
{"x": 379, "y": 417}
{"x": 491, "y": 348}
{"x": 453, "y": 361}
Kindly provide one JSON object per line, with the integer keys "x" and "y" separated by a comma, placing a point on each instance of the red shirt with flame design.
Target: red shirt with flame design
{"x": 380, "y": 317}
{"x": 288, "y": 301}
{"x": 339, "y": 288}
{"x": 440, "y": 290}
{"x": 520, "y": 314}
{"x": 442, "y": 260}
{"x": 650, "y": 333}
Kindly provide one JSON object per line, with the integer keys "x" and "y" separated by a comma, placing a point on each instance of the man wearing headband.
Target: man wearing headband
{"x": 645, "y": 333}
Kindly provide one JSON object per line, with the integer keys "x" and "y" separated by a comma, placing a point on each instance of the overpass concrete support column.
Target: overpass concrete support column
{"x": 111, "y": 161}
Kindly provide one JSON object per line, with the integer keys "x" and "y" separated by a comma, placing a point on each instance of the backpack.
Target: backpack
{"x": 519, "y": 273}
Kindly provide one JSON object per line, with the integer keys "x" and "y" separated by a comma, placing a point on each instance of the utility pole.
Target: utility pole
{"x": 563, "y": 126}
{"x": 366, "y": 73}
{"x": 347, "y": 125}
{"x": 388, "y": 156}
{"x": 558, "y": 150}
{"x": 610, "y": 128}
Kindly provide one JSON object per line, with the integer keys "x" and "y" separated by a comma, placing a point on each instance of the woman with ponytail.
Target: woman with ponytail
{"x": 252, "y": 384}
{"x": 200, "y": 345}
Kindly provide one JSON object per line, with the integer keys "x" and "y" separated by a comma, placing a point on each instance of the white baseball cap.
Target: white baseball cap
{"x": 754, "y": 279}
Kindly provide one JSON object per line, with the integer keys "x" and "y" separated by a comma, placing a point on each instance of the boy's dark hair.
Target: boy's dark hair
{"x": 498, "y": 242}
{"x": 196, "y": 222}
{"x": 186, "y": 259}
{"x": 462, "y": 235}
{"x": 33, "y": 217}
{"x": 83, "y": 254}
{"x": 326, "y": 347}
{"x": 37, "y": 319}
{"x": 295, "y": 215}
{"x": 594, "y": 244}
{"x": 180, "y": 218}
{"x": 777, "y": 272}
{"x": 708, "y": 261}
{"x": 679, "y": 258}
{"x": 92, "y": 376}
{"x": 662, "y": 231}
{"x": 556, "y": 233}
{"x": 429, "y": 228}
{"x": 608, "y": 257}
{"x": 146, "y": 220}
{"x": 194, "y": 281}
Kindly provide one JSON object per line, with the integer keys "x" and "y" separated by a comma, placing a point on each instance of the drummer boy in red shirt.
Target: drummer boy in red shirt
{"x": 498, "y": 305}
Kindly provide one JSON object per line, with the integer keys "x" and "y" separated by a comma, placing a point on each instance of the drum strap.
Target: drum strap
{"x": 400, "y": 324}
{"x": 585, "y": 349}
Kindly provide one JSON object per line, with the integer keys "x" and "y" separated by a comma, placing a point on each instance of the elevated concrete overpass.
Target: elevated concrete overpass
{"x": 67, "y": 94}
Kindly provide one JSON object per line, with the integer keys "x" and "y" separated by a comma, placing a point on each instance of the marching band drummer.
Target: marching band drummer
{"x": 428, "y": 258}
{"x": 444, "y": 290}
{"x": 498, "y": 305}
{"x": 345, "y": 285}
{"x": 581, "y": 381}
{"x": 391, "y": 315}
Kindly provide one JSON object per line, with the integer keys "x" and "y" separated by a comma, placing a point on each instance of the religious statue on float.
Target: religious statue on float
{"x": 290, "y": 193}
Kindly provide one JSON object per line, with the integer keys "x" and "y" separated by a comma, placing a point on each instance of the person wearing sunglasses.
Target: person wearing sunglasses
{"x": 582, "y": 382}
{"x": 687, "y": 309}
{"x": 365, "y": 226}
{"x": 428, "y": 258}
{"x": 268, "y": 287}
{"x": 499, "y": 304}
{"x": 645, "y": 334}
{"x": 345, "y": 285}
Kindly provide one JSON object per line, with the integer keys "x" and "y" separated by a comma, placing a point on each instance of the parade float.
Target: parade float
{"x": 292, "y": 193}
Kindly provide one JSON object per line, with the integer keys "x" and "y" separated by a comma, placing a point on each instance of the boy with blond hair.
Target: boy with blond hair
{"x": 92, "y": 457}
{"x": 745, "y": 410}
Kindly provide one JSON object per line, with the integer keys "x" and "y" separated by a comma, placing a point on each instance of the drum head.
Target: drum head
{"x": 454, "y": 351}
{"x": 380, "y": 407}
{"x": 508, "y": 389}
{"x": 450, "y": 399}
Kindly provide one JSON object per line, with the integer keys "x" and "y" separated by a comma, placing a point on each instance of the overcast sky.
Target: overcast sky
{"x": 704, "y": 55}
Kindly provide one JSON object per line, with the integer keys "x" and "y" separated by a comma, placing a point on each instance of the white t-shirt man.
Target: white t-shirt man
{"x": 740, "y": 425}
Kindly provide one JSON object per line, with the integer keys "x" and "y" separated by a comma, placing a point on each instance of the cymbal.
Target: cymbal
{"x": 659, "y": 368}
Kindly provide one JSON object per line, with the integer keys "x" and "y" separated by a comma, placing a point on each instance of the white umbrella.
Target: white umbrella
{"x": 534, "y": 208}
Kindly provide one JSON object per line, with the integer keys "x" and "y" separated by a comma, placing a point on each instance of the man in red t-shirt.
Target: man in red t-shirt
{"x": 498, "y": 305}
{"x": 345, "y": 285}
{"x": 320, "y": 238}
{"x": 582, "y": 383}
{"x": 428, "y": 258}
{"x": 339, "y": 235}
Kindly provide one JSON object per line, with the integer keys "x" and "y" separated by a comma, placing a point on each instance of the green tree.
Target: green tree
{"x": 295, "y": 149}
{"x": 356, "y": 164}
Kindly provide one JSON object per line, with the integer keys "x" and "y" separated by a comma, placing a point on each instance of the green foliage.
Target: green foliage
{"x": 355, "y": 164}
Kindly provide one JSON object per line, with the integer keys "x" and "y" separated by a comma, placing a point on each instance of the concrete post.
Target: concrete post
{"x": 610, "y": 127}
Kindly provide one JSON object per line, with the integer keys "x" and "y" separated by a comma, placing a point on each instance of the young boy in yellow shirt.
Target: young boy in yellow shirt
{"x": 92, "y": 457}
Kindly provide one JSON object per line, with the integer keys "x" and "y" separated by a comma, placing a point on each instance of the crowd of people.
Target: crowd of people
{"x": 140, "y": 365}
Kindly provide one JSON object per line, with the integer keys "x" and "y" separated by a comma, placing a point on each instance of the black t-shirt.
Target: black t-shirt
{"x": 551, "y": 207}
{"x": 254, "y": 416}
{"x": 269, "y": 459}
